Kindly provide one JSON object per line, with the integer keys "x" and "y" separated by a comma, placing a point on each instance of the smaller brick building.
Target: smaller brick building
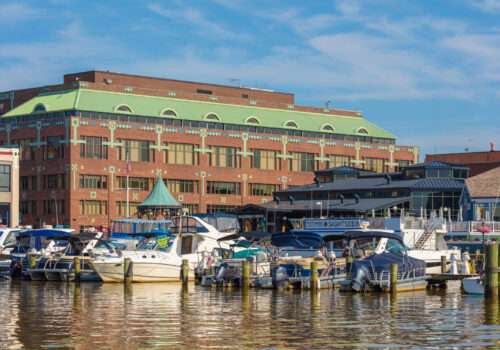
{"x": 477, "y": 162}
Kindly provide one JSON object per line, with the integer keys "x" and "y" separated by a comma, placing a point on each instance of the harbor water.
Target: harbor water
{"x": 157, "y": 316}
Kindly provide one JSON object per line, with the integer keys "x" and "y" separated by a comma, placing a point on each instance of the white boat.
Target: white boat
{"x": 158, "y": 258}
{"x": 473, "y": 285}
{"x": 8, "y": 238}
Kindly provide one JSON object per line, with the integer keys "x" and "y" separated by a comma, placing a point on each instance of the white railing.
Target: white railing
{"x": 470, "y": 227}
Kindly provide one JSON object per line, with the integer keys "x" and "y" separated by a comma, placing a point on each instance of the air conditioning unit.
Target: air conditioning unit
{"x": 107, "y": 81}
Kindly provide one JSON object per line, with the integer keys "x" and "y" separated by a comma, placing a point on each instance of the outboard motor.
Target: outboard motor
{"x": 279, "y": 276}
{"x": 221, "y": 273}
{"x": 361, "y": 278}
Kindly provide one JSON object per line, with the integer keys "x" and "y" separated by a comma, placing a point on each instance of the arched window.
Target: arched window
{"x": 123, "y": 108}
{"x": 169, "y": 113}
{"x": 362, "y": 131}
{"x": 212, "y": 116}
{"x": 327, "y": 127}
{"x": 252, "y": 120}
{"x": 39, "y": 108}
{"x": 291, "y": 124}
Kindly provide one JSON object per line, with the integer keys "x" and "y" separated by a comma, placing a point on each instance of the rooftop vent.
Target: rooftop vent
{"x": 317, "y": 181}
{"x": 492, "y": 145}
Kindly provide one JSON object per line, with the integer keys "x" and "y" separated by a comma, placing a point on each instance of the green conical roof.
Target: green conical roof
{"x": 160, "y": 197}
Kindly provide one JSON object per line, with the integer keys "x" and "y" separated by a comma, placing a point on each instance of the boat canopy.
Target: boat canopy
{"x": 298, "y": 239}
{"x": 376, "y": 234}
{"x": 47, "y": 233}
{"x": 221, "y": 221}
{"x": 81, "y": 237}
{"x": 252, "y": 236}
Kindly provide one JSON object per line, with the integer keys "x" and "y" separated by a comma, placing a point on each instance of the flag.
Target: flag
{"x": 128, "y": 167}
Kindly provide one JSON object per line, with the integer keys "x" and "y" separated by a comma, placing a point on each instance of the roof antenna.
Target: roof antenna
{"x": 235, "y": 81}
{"x": 327, "y": 102}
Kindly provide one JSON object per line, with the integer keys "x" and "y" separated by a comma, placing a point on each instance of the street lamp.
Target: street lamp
{"x": 320, "y": 208}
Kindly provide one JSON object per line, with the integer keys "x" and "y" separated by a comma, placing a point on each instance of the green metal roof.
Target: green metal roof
{"x": 152, "y": 106}
{"x": 159, "y": 197}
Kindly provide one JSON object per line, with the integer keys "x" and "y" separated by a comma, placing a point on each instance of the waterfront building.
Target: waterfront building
{"x": 9, "y": 187}
{"x": 477, "y": 162}
{"x": 418, "y": 189}
{"x": 481, "y": 197}
{"x": 217, "y": 147}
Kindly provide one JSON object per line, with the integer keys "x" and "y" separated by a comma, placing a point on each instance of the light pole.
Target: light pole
{"x": 320, "y": 208}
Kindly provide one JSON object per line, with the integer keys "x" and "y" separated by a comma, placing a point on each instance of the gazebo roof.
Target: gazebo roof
{"x": 160, "y": 197}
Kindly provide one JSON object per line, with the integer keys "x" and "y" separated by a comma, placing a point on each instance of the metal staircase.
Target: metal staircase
{"x": 425, "y": 236}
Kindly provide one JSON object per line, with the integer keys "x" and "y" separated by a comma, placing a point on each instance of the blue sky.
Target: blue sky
{"x": 427, "y": 71}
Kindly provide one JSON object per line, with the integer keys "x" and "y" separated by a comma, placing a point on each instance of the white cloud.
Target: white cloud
{"x": 203, "y": 27}
{"x": 17, "y": 12}
{"x": 491, "y": 6}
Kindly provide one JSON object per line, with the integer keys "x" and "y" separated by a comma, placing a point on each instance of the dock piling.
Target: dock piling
{"x": 314, "y": 276}
{"x": 473, "y": 264}
{"x": 491, "y": 288}
{"x": 185, "y": 272}
{"x": 394, "y": 278}
{"x": 245, "y": 274}
{"x": 76, "y": 267}
{"x": 127, "y": 270}
{"x": 444, "y": 263}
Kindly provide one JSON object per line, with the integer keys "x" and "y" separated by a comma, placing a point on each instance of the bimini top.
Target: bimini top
{"x": 298, "y": 239}
{"x": 252, "y": 236}
{"x": 48, "y": 233}
{"x": 142, "y": 221}
{"x": 81, "y": 237}
{"x": 376, "y": 234}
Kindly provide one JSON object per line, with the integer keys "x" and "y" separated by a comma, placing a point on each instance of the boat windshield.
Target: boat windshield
{"x": 10, "y": 240}
{"x": 367, "y": 246}
{"x": 161, "y": 243}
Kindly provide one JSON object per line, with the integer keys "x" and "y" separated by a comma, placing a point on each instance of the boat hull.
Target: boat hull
{"x": 473, "y": 285}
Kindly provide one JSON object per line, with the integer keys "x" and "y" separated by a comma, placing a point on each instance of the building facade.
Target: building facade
{"x": 477, "y": 162}
{"x": 9, "y": 187}
{"x": 218, "y": 147}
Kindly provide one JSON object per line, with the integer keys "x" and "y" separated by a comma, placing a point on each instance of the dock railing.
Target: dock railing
{"x": 470, "y": 227}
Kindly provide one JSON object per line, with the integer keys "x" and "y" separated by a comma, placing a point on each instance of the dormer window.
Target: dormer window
{"x": 212, "y": 116}
{"x": 168, "y": 113}
{"x": 252, "y": 120}
{"x": 328, "y": 127}
{"x": 123, "y": 108}
{"x": 39, "y": 108}
{"x": 291, "y": 124}
{"x": 362, "y": 131}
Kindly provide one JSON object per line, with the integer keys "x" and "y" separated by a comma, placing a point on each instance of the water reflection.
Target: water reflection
{"x": 92, "y": 315}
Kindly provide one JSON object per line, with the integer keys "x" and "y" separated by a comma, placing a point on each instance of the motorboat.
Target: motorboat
{"x": 38, "y": 243}
{"x": 473, "y": 285}
{"x": 158, "y": 258}
{"x": 60, "y": 266}
{"x": 8, "y": 238}
{"x": 227, "y": 271}
{"x": 370, "y": 254}
{"x": 126, "y": 232}
{"x": 295, "y": 271}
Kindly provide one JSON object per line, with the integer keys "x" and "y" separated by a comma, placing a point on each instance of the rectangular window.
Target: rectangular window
{"x": 265, "y": 159}
{"x": 52, "y": 181}
{"x": 224, "y": 157}
{"x": 94, "y": 208}
{"x": 81, "y": 207}
{"x": 402, "y": 164}
{"x": 302, "y": 161}
{"x": 374, "y": 164}
{"x": 183, "y": 186}
{"x": 135, "y": 183}
{"x": 24, "y": 183}
{"x": 121, "y": 208}
{"x": 93, "y": 147}
{"x": 94, "y": 181}
{"x": 221, "y": 208}
{"x": 180, "y": 153}
{"x": 26, "y": 152}
{"x": 50, "y": 206}
{"x": 193, "y": 208}
{"x": 136, "y": 150}
{"x": 219, "y": 187}
{"x": 338, "y": 160}
{"x": 4, "y": 178}
{"x": 204, "y": 92}
{"x": 262, "y": 189}
{"x": 53, "y": 149}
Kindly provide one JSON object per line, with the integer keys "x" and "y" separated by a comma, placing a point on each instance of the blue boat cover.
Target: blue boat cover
{"x": 45, "y": 233}
{"x": 297, "y": 239}
{"x": 376, "y": 234}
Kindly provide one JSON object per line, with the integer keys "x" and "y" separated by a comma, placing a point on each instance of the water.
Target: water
{"x": 158, "y": 316}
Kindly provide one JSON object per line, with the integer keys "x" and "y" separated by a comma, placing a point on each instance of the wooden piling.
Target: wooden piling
{"x": 314, "y": 276}
{"x": 491, "y": 288}
{"x": 127, "y": 270}
{"x": 245, "y": 274}
{"x": 76, "y": 267}
{"x": 444, "y": 263}
{"x": 473, "y": 264}
{"x": 185, "y": 272}
{"x": 394, "y": 278}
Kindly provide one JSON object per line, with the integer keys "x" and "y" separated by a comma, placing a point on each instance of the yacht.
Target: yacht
{"x": 8, "y": 238}
{"x": 158, "y": 258}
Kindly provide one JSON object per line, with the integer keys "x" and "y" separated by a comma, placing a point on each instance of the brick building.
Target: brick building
{"x": 217, "y": 147}
{"x": 477, "y": 162}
